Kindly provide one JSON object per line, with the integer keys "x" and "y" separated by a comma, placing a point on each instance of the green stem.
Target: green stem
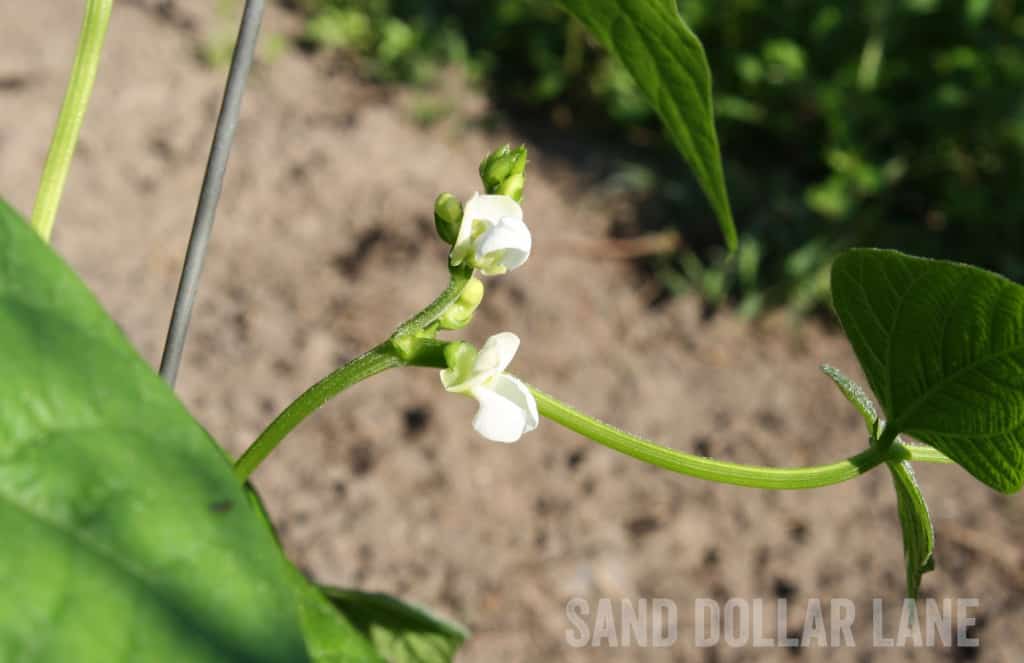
{"x": 459, "y": 278}
{"x": 705, "y": 468}
{"x": 405, "y": 346}
{"x": 76, "y": 99}
{"x": 375, "y": 361}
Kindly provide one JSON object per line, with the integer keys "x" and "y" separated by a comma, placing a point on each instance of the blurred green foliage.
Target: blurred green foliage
{"x": 895, "y": 123}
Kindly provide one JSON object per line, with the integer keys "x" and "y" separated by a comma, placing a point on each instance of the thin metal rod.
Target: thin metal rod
{"x": 209, "y": 196}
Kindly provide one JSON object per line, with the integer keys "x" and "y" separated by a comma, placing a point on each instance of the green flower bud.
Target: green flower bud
{"x": 513, "y": 187}
{"x": 447, "y": 217}
{"x": 496, "y": 167}
{"x": 519, "y": 165}
{"x": 472, "y": 293}
{"x": 502, "y": 165}
{"x": 460, "y": 313}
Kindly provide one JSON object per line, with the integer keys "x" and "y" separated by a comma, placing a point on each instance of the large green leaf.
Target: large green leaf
{"x": 942, "y": 345}
{"x": 916, "y": 523}
{"x": 8, "y": 214}
{"x": 669, "y": 64}
{"x": 125, "y": 535}
{"x": 401, "y": 633}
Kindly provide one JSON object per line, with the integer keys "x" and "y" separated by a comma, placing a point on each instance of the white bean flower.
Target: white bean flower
{"x": 507, "y": 408}
{"x": 492, "y": 236}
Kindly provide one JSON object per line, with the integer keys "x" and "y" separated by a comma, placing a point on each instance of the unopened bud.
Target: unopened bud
{"x": 447, "y": 217}
{"x": 496, "y": 167}
{"x": 513, "y": 187}
{"x": 460, "y": 313}
{"x": 502, "y": 165}
{"x": 519, "y": 164}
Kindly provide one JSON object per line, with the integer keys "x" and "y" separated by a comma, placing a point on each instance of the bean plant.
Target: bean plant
{"x": 129, "y": 534}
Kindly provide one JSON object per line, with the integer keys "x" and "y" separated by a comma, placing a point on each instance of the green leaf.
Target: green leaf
{"x": 330, "y": 635}
{"x": 916, "y": 523}
{"x": 668, "y": 62}
{"x": 855, "y": 394}
{"x": 8, "y": 214}
{"x": 942, "y": 345}
{"x": 401, "y": 633}
{"x": 125, "y": 535}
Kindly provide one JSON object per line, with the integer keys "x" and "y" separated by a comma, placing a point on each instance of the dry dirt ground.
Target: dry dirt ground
{"x": 324, "y": 243}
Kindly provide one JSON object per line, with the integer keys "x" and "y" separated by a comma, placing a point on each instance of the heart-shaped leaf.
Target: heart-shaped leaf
{"x": 401, "y": 633}
{"x": 942, "y": 345}
{"x": 669, "y": 64}
{"x": 125, "y": 534}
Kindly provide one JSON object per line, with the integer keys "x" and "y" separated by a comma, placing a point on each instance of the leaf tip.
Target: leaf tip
{"x": 727, "y": 224}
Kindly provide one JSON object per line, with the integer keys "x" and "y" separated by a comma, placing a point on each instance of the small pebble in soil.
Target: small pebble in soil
{"x": 783, "y": 588}
{"x": 643, "y": 525}
{"x": 416, "y": 419}
{"x": 361, "y": 459}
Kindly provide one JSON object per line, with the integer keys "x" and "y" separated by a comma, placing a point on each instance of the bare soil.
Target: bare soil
{"x": 324, "y": 243}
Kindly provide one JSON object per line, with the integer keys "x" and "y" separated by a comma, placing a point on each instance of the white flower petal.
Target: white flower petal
{"x": 496, "y": 354}
{"x": 488, "y": 210}
{"x": 515, "y": 390}
{"x": 507, "y": 410}
{"x": 492, "y": 208}
{"x": 511, "y": 238}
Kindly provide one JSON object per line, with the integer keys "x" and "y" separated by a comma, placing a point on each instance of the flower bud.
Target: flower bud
{"x": 513, "y": 187}
{"x": 460, "y": 313}
{"x": 495, "y": 168}
{"x": 500, "y": 165}
{"x": 519, "y": 165}
{"x": 447, "y": 217}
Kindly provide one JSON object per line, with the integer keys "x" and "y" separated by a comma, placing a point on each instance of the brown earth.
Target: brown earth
{"x": 324, "y": 243}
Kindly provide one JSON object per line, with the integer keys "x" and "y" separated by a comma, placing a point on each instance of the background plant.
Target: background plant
{"x": 878, "y": 123}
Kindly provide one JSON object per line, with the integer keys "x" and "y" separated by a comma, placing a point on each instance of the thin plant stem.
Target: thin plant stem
{"x": 407, "y": 347}
{"x": 706, "y": 468}
{"x": 367, "y": 365}
{"x": 69, "y": 121}
{"x": 404, "y": 347}
{"x": 459, "y": 277}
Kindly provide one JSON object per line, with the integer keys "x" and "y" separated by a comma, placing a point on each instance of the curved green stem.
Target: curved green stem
{"x": 76, "y": 99}
{"x": 375, "y": 361}
{"x": 705, "y": 468}
{"x": 406, "y": 346}
{"x": 459, "y": 278}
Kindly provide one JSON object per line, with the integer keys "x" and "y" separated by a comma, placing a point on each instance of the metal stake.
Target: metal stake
{"x": 209, "y": 195}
